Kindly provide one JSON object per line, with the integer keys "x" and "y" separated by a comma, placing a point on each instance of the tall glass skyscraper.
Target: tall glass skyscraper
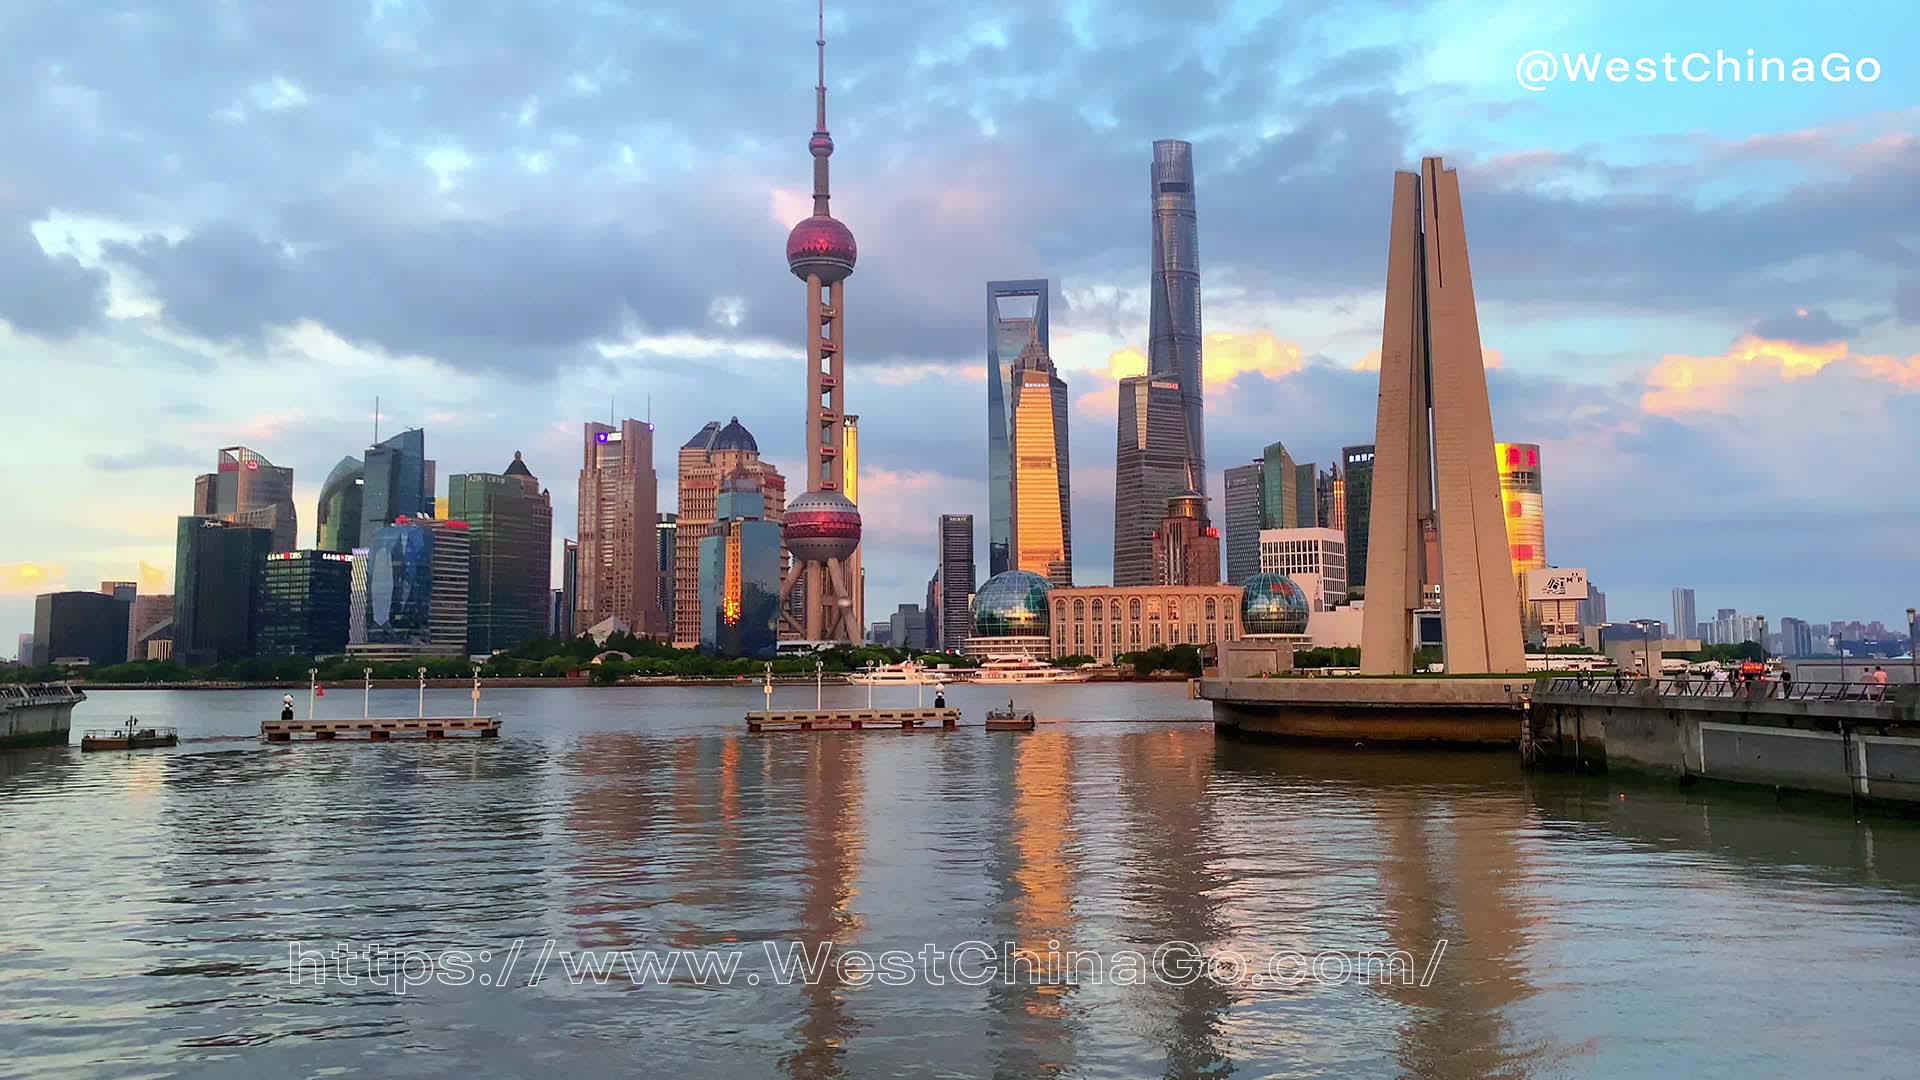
{"x": 510, "y": 522}
{"x": 1523, "y": 507}
{"x": 953, "y": 620}
{"x": 410, "y": 590}
{"x": 218, "y": 580}
{"x": 337, "y": 522}
{"x": 305, "y": 603}
{"x": 1150, "y": 467}
{"x": 1016, "y": 314}
{"x": 1173, "y": 344}
{"x": 1161, "y": 446}
{"x": 1243, "y": 521}
{"x": 1357, "y": 463}
{"x": 397, "y": 482}
{"x": 1042, "y": 499}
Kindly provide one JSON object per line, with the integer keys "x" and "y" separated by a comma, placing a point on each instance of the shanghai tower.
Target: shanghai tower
{"x": 1148, "y": 445}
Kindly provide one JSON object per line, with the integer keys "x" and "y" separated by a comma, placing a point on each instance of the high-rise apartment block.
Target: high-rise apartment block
{"x": 618, "y": 515}
{"x": 953, "y": 617}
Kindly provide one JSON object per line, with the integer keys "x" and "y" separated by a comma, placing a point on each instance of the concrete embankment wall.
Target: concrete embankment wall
{"x": 1867, "y": 749}
{"x": 1461, "y": 712}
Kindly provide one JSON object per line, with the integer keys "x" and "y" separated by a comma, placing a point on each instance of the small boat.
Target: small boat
{"x": 905, "y": 673}
{"x": 1027, "y": 670}
{"x": 1010, "y": 719}
{"x": 130, "y": 736}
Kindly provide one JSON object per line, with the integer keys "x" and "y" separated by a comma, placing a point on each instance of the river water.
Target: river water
{"x": 1557, "y": 926}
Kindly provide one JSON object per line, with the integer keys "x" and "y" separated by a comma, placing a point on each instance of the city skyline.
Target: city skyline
{"x": 1649, "y": 376}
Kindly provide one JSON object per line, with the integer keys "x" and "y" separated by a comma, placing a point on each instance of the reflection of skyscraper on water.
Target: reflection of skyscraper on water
{"x": 834, "y": 839}
{"x": 1035, "y": 877}
{"x": 1171, "y": 828}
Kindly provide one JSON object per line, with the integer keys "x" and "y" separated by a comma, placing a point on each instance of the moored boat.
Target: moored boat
{"x": 1027, "y": 670}
{"x": 1010, "y": 719}
{"x": 133, "y": 735}
{"x": 905, "y": 673}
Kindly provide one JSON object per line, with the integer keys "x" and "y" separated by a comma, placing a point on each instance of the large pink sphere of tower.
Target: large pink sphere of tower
{"x": 821, "y": 246}
{"x": 821, "y": 526}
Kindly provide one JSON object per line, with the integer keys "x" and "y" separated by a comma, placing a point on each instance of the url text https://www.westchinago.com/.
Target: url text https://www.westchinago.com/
{"x": 1538, "y": 69}
{"x": 793, "y": 963}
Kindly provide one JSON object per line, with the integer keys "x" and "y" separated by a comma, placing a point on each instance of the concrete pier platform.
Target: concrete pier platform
{"x": 852, "y": 720}
{"x": 381, "y": 729}
{"x": 1467, "y": 712}
{"x": 1832, "y": 738}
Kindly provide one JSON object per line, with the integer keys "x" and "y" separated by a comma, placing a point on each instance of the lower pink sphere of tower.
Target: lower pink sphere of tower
{"x": 821, "y": 526}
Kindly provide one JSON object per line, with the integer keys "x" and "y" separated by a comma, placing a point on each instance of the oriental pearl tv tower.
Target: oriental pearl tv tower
{"x": 822, "y": 528}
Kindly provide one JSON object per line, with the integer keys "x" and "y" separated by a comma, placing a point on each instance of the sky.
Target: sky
{"x": 238, "y": 223}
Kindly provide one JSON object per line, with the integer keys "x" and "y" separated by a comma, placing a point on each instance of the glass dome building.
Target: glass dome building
{"x": 1273, "y": 605}
{"x": 1011, "y": 605}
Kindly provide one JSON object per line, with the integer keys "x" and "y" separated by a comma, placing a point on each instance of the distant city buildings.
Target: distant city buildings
{"x": 739, "y": 572}
{"x": 907, "y": 628}
{"x": 1593, "y": 610}
{"x": 566, "y": 623}
{"x": 1186, "y": 546}
{"x": 84, "y": 627}
{"x": 618, "y": 508}
{"x": 1686, "y": 620}
{"x": 1796, "y": 637}
{"x": 306, "y": 598}
{"x": 955, "y": 582}
{"x": 397, "y": 481}
{"x": 1289, "y": 491}
{"x": 218, "y": 576}
{"x": 1314, "y": 558}
{"x": 247, "y": 489}
{"x": 510, "y": 526}
{"x": 410, "y": 591}
{"x": 1042, "y": 502}
{"x": 1016, "y": 316}
{"x": 707, "y": 459}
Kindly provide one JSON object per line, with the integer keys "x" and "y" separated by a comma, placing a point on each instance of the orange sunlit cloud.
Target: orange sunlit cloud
{"x": 1224, "y": 356}
{"x": 1680, "y": 384}
{"x": 27, "y": 579}
{"x": 152, "y": 578}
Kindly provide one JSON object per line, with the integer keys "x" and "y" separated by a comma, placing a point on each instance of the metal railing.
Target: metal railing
{"x": 1750, "y": 690}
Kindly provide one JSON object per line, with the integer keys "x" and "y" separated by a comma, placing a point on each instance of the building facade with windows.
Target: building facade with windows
{"x": 1243, "y": 521}
{"x": 1107, "y": 621}
{"x": 951, "y": 618}
{"x": 410, "y": 591}
{"x": 305, "y": 603}
{"x": 1356, "y": 466}
{"x": 739, "y": 590}
{"x": 218, "y": 573}
{"x": 705, "y": 462}
{"x": 1315, "y": 559}
{"x": 1150, "y": 467}
{"x": 510, "y": 525}
{"x": 1016, "y": 315}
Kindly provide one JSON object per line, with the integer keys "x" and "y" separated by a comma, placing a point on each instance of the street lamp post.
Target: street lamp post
{"x": 422, "y": 672}
{"x": 1839, "y": 646}
{"x": 366, "y": 693}
{"x": 870, "y": 666}
{"x": 1913, "y": 662}
{"x": 476, "y": 690}
{"x": 819, "y": 701}
{"x": 313, "y": 681}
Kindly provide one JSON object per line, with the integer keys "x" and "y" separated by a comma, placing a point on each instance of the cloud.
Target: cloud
{"x": 51, "y": 296}
{"x": 29, "y": 579}
{"x": 1680, "y": 384}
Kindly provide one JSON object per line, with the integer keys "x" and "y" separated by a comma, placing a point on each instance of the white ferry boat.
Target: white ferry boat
{"x": 905, "y": 673}
{"x": 1027, "y": 670}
